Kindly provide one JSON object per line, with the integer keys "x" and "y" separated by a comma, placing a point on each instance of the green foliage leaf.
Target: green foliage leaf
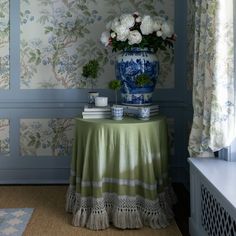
{"x": 43, "y": 19}
{"x": 48, "y": 29}
{"x": 114, "y": 84}
{"x": 142, "y": 80}
{"x": 38, "y": 144}
{"x": 90, "y": 70}
{"x": 68, "y": 14}
{"x": 38, "y": 61}
{"x": 148, "y": 41}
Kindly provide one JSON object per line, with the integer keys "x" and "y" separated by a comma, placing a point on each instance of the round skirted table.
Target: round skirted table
{"x": 119, "y": 174}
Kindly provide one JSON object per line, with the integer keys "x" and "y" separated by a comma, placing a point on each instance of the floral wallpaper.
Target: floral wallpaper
{"x": 46, "y": 137}
{"x": 65, "y": 34}
{"x": 4, "y": 44}
{"x": 4, "y": 137}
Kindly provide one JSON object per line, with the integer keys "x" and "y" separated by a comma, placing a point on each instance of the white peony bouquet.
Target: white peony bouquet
{"x": 134, "y": 30}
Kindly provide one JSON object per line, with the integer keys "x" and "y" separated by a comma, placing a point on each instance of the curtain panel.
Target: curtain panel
{"x": 213, "y": 76}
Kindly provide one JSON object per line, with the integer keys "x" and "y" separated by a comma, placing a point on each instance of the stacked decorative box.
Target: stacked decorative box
{"x": 133, "y": 110}
{"x": 93, "y": 112}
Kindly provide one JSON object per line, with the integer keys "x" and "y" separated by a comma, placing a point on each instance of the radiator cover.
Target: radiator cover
{"x": 214, "y": 217}
{"x": 212, "y": 197}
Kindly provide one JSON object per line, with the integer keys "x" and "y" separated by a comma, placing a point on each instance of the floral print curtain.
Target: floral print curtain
{"x": 213, "y": 77}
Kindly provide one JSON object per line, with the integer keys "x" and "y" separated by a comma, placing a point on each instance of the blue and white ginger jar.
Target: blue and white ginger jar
{"x": 130, "y": 64}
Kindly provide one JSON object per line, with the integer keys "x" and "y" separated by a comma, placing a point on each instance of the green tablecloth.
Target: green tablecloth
{"x": 119, "y": 174}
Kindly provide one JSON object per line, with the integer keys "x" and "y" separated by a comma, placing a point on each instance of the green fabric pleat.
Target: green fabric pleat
{"x": 128, "y": 157}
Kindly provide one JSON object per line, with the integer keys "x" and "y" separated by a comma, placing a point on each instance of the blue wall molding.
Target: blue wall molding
{"x": 16, "y": 104}
{"x": 31, "y": 104}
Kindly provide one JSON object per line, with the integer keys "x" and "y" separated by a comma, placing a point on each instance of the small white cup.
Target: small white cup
{"x": 144, "y": 113}
{"x": 117, "y": 113}
{"x": 101, "y": 101}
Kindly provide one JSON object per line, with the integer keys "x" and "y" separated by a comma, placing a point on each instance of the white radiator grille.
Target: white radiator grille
{"x": 215, "y": 218}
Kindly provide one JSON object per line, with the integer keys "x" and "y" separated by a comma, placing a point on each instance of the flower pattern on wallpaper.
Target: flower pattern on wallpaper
{"x": 4, "y": 44}
{"x": 59, "y": 37}
{"x": 4, "y": 137}
{"x": 46, "y": 137}
{"x": 51, "y": 34}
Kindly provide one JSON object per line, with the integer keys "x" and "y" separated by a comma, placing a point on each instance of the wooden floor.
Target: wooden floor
{"x": 50, "y": 219}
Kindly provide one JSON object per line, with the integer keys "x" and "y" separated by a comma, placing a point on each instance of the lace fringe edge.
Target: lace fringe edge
{"x": 122, "y": 218}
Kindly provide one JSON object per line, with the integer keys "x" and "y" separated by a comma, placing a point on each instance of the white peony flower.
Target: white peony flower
{"x": 156, "y": 25}
{"x": 166, "y": 29}
{"x": 105, "y": 38}
{"x": 113, "y": 35}
{"x": 146, "y": 26}
{"x": 122, "y": 32}
{"x": 159, "y": 19}
{"x": 134, "y": 37}
{"x": 115, "y": 23}
{"x": 138, "y": 19}
{"x": 159, "y": 33}
{"x": 132, "y": 29}
{"x": 127, "y": 20}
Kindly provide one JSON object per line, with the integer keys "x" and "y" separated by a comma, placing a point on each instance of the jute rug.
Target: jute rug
{"x": 13, "y": 221}
{"x": 50, "y": 219}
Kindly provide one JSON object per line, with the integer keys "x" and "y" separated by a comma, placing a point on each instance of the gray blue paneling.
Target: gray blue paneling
{"x": 17, "y": 104}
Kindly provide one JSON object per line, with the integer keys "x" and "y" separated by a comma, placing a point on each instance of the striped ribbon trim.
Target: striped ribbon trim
{"x": 128, "y": 182}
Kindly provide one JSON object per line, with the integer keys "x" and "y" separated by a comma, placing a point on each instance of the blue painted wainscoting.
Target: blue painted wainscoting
{"x": 20, "y": 165}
